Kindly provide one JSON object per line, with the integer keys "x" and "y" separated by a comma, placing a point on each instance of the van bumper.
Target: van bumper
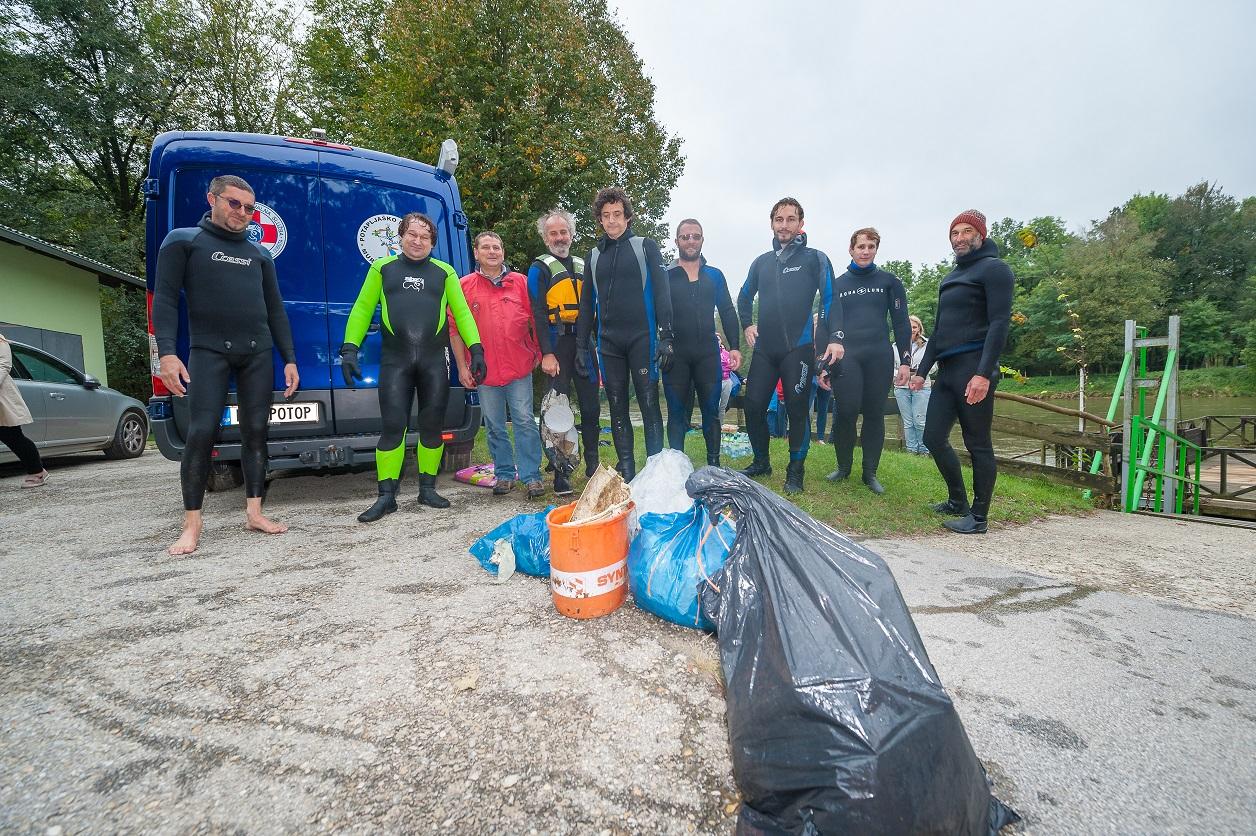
{"x": 312, "y": 452}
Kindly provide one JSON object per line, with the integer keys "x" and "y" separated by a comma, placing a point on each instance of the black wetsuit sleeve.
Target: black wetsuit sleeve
{"x": 172, "y": 263}
{"x": 830, "y": 306}
{"x": 728, "y": 314}
{"x": 898, "y": 319}
{"x": 999, "y": 284}
{"x": 745, "y": 298}
{"x": 586, "y": 320}
{"x": 661, "y": 286}
{"x": 540, "y": 310}
{"x": 276, "y": 316}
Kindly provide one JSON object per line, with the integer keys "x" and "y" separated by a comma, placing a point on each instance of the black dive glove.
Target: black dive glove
{"x": 584, "y": 362}
{"x": 349, "y": 363}
{"x": 664, "y": 352}
{"x": 479, "y": 368}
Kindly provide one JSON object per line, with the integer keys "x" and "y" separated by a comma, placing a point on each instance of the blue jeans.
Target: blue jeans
{"x": 912, "y": 406}
{"x": 822, "y": 404}
{"x": 527, "y": 447}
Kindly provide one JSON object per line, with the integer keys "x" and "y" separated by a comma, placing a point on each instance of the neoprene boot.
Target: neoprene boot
{"x": 627, "y": 468}
{"x": 591, "y": 461}
{"x": 967, "y": 524}
{"x": 386, "y": 504}
{"x": 793, "y": 477}
{"x": 759, "y": 467}
{"x": 870, "y": 479}
{"x": 713, "y": 461}
{"x": 427, "y": 492}
{"x": 838, "y": 475}
{"x": 951, "y": 508}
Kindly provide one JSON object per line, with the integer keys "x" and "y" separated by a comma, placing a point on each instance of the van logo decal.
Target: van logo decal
{"x": 378, "y": 238}
{"x": 268, "y": 230}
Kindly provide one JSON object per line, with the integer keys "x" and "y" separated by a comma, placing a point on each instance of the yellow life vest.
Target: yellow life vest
{"x": 562, "y": 300}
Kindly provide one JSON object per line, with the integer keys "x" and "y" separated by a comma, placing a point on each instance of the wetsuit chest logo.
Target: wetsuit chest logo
{"x": 791, "y": 269}
{"x": 230, "y": 259}
{"x": 412, "y": 283}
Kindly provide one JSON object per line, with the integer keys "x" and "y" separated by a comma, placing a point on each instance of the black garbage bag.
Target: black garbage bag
{"x": 837, "y": 720}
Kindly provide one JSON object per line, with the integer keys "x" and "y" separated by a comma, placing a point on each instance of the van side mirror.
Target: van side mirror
{"x": 447, "y": 162}
{"x": 90, "y": 382}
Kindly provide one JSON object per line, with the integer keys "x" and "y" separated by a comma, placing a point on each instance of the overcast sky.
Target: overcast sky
{"x": 901, "y": 114}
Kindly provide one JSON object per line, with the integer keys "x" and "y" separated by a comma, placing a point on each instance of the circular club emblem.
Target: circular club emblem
{"x": 268, "y": 230}
{"x": 378, "y": 238}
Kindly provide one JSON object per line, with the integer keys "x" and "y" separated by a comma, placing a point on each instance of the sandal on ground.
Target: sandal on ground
{"x": 35, "y": 479}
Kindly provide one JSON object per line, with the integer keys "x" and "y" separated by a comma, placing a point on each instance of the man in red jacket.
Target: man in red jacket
{"x": 502, "y": 309}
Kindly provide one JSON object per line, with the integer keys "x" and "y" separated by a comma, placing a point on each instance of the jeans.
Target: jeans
{"x": 913, "y": 406}
{"x": 822, "y": 401}
{"x": 527, "y": 447}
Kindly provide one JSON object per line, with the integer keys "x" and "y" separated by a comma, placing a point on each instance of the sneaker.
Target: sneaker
{"x": 536, "y": 489}
{"x": 503, "y": 487}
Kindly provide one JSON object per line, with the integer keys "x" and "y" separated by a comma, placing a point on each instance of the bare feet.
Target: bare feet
{"x": 186, "y": 544}
{"x": 258, "y": 522}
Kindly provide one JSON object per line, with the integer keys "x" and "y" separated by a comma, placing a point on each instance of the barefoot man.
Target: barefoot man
{"x": 236, "y": 321}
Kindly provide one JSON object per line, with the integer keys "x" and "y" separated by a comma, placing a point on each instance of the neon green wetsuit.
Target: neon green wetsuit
{"x": 414, "y": 298}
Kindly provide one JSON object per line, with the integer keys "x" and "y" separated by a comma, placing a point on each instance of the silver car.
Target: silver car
{"x": 73, "y": 413}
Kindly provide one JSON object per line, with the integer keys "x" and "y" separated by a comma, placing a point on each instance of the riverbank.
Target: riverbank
{"x": 1228, "y": 381}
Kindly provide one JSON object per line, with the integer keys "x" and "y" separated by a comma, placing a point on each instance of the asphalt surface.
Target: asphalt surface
{"x": 367, "y": 678}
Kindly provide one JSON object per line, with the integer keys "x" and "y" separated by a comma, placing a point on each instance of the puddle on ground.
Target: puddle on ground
{"x": 1022, "y": 599}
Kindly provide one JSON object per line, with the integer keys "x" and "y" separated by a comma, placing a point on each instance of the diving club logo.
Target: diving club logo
{"x": 268, "y": 230}
{"x": 378, "y": 238}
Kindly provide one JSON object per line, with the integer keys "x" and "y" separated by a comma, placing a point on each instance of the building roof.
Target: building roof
{"x": 104, "y": 272}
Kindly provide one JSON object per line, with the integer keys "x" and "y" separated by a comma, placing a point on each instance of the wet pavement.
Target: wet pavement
{"x": 368, "y": 678}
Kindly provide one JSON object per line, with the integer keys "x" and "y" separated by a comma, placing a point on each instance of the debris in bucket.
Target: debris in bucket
{"x": 605, "y": 493}
{"x": 837, "y": 719}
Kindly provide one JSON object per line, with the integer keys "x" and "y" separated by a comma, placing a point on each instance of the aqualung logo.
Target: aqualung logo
{"x": 230, "y": 259}
{"x": 267, "y": 230}
{"x": 860, "y": 291}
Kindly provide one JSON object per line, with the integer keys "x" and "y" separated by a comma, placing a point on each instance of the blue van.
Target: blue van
{"x": 324, "y": 211}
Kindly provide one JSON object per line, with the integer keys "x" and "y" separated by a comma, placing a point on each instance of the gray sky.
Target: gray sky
{"x": 901, "y": 114}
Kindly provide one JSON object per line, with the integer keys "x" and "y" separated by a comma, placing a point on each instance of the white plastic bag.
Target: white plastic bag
{"x": 660, "y": 487}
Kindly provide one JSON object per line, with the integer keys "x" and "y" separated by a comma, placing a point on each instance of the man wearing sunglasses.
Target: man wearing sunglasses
{"x": 235, "y": 319}
{"x": 697, "y": 290}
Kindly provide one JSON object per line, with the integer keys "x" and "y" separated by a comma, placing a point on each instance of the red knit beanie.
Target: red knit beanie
{"x": 972, "y": 217}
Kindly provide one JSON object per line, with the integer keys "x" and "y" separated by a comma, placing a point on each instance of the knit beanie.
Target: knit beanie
{"x": 971, "y": 217}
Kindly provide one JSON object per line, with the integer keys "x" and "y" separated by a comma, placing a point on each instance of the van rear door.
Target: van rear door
{"x": 362, "y": 202}
{"x": 287, "y": 223}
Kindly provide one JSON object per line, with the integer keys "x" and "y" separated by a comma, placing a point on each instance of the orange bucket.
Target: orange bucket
{"x": 588, "y": 563}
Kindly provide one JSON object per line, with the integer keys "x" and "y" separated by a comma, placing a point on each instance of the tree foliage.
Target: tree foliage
{"x": 547, "y": 100}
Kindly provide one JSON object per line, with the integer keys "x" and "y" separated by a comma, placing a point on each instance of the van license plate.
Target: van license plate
{"x": 280, "y": 413}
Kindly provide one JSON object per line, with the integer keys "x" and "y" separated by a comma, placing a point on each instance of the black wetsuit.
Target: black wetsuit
{"x": 629, "y": 312}
{"x": 560, "y": 340}
{"x": 974, "y": 314}
{"x": 696, "y": 364}
{"x": 414, "y": 299}
{"x": 865, "y": 374}
{"x": 787, "y": 281}
{"x": 235, "y": 317}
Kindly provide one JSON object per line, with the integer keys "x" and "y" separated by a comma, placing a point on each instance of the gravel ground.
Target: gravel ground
{"x": 366, "y": 678}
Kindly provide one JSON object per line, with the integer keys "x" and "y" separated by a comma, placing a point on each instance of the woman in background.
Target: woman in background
{"x": 13, "y": 414}
{"x": 913, "y": 405}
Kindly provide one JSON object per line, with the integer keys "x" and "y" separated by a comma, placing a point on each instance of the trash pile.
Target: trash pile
{"x": 838, "y": 722}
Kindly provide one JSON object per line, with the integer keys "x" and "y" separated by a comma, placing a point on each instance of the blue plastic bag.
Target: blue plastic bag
{"x": 671, "y": 557}
{"x": 529, "y": 538}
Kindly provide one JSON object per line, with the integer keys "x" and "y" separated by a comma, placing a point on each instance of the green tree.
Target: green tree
{"x": 1111, "y": 276}
{"x": 922, "y": 292}
{"x": 547, "y": 100}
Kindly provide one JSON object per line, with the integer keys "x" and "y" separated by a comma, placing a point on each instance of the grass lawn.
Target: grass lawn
{"x": 911, "y": 484}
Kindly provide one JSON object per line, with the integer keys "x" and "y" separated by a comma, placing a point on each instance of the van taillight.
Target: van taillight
{"x": 159, "y": 388}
